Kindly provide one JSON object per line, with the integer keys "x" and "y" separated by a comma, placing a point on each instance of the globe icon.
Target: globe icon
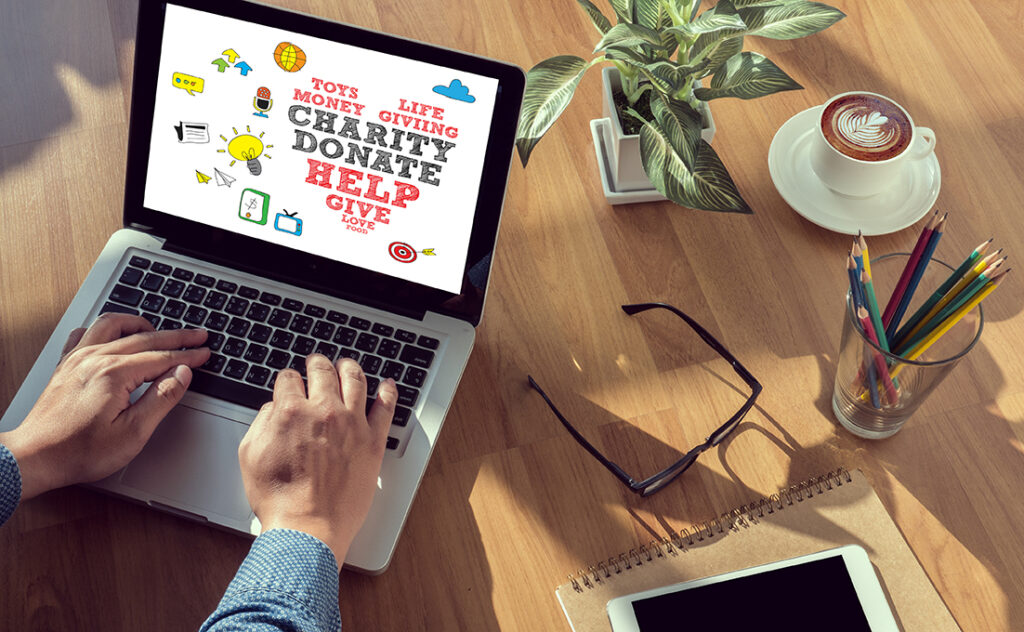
{"x": 289, "y": 57}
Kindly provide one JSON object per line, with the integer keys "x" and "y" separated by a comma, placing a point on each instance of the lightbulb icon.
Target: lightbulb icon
{"x": 246, "y": 147}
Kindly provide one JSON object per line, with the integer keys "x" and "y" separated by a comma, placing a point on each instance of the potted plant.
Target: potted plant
{"x": 661, "y": 50}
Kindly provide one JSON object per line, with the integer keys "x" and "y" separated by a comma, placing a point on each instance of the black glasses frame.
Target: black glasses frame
{"x": 649, "y": 485}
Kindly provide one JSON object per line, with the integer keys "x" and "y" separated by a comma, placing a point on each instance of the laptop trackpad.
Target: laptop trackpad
{"x": 191, "y": 462}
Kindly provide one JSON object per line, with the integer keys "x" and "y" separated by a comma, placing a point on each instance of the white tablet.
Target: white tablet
{"x": 832, "y": 590}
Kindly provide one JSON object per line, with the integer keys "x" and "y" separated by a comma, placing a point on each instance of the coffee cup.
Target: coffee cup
{"x": 864, "y": 142}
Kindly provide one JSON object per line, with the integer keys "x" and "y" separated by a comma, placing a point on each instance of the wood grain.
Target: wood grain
{"x": 510, "y": 504}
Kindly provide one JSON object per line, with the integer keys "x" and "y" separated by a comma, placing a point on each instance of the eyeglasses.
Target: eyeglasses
{"x": 654, "y": 483}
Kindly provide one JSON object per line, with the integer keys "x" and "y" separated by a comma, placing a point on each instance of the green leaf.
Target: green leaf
{"x": 647, "y": 13}
{"x": 747, "y": 76}
{"x": 681, "y": 125}
{"x": 624, "y": 53}
{"x": 600, "y": 22}
{"x": 670, "y": 77}
{"x": 623, "y": 10}
{"x": 712, "y": 21}
{"x": 629, "y": 35}
{"x": 790, "y": 20}
{"x": 550, "y": 86}
{"x": 740, "y": 4}
{"x": 718, "y": 50}
{"x": 708, "y": 186}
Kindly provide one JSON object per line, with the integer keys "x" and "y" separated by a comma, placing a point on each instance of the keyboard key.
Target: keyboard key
{"x": 273, "y": 380}
{"x": 337, "y": 317}
{"x": 371, "y": 364}
{"x": 228, "y": 390}
{"x": 327, "y": 349}
{"x": 248, "y": 292}
{"x": 194, "y": 294}
{"x": 315, "y": 311}
{"x": 389, "y": 348}
{"x": 257, "y": 375}
{"x": 126, "y": 295}
{"x": 173, "y": 288}
{"x": 161, "y": 268}
{"x": 215, "y": 340}
{"x": 323, "y": 330}
{"x": 260, "y": 333}
{"x": 217, "y": 321}
{"x": 349, "y": 353}
{"x": 392, "y": 443}
{"x": 236, "y": 369}
{"x": 153, "y": 302}
{"x": 258, "y": 312}
{"x": 215, "y": 300}
{"x": 167, "y": 324}
{"x": 280, "y": 318}
{"x": 139, "y": 262}
{"x": 152, "y": 282}
{"x": 109, "y": 307}
{"x": 393, "y": 370}
{"x": 417, "y": 357}
{"x": 204, "y": 280}
{"x": 234, "y": 347}
{"x": 281, "y": 339}
{"x": 414, "y": 376}
{"x": 195, "y": 315}
{"x": 183, "y": 274}
{"x": 429, "y": 343}
{"x": 382, "y": 330}
{"x": 153, "y": 319}
{"x": 227, "y": 286}
{"x": 401, "y": 417}
{"x": 215, "y": 363}
{"x": 237, "y": 306}
{"x": 345, "y": 336}
{"x": 270, "y": 299}
{"x": 238, "y": 327}
{"x": 131, "y": 276}
{"x": 367, "y": 342}
{"x": 279, "y": 359}
{"x": 299, "y": 364}
{"x": 405, "y": 336}
{"x": 301, "y": 324}
{"x": 292, "y": 304}
{"x": 174, "y": 309}
{"x": 359, "y": 323}
{"x": 256, "y": 354}
{"x": 371, "y": 386}
{"x": 407, "y": 396}
{"x": 303, "y": 346}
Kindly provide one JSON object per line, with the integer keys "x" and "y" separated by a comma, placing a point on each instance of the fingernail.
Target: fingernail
{"x": 183, "y": 374}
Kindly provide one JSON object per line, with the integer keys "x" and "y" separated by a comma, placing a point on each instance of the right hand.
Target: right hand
{"x": 310, "y": 463}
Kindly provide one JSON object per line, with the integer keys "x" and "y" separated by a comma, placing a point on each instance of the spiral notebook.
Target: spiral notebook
{"x": 817, "y": 514}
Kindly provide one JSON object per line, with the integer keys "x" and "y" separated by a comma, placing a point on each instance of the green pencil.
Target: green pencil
{"x": 871, "y": 303}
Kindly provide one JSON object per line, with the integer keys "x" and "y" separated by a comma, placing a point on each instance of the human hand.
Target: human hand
{"x": 84, "y": 426}
{"x": 310, "y": 463}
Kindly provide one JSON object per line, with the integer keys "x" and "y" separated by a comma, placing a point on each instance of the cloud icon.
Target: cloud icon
{"x": 455, "y": 90}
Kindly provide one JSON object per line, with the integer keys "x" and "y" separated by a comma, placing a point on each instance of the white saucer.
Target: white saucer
{"x": 906, "y": 202}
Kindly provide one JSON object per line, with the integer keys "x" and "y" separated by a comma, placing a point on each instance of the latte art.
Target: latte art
{"x": 866, "y": 127}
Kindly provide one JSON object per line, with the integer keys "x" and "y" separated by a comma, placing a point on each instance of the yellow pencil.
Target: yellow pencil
{"x": 864, "y": 252}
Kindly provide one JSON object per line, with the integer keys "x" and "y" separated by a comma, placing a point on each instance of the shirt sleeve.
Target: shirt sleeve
{"x": 10, "y": 484}
{"x": 288, "y": 582}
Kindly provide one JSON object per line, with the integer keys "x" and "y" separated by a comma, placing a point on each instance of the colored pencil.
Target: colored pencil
{"x": 880, "y": 365}
{"x": 936, "y": 296}
{"x": 926, "y": 256}
{"x": 855, "y": 289}
{"x": 864, "y": 252}
{"x": 908, "y": 271}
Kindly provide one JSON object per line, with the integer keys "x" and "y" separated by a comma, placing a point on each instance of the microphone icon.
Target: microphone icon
{"x": 262, "y": 102}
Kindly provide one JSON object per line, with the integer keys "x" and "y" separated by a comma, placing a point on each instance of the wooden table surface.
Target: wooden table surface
{"x": 510, "y": 504}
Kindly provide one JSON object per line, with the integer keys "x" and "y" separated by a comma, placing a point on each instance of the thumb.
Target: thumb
{"x": 162, "y": 395}
{"x": 73, "y": 339}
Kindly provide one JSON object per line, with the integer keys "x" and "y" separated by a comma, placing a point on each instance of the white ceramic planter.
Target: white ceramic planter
{"x": 623, "y": 152}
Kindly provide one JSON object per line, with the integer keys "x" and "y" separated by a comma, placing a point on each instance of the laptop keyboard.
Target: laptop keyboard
{"x": 255, "y": 334}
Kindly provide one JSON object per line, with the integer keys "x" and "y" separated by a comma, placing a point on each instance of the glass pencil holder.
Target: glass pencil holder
{"x": 877, "y": 391}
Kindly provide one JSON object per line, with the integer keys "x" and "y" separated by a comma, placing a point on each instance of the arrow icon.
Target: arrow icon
{"x": 428, "y": 251}
{"x": 220, "y": 64}
{"x": 202, "y": 177}
{"x": 231, "y": 55}
{"x": 222, "y": 178}
{"x": 243, "y": 67}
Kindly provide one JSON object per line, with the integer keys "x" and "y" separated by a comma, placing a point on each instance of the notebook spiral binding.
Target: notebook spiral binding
{"x": 737, "y": 519}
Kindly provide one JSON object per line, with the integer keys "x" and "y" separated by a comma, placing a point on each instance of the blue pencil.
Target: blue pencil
{"x": 926, "y": 256}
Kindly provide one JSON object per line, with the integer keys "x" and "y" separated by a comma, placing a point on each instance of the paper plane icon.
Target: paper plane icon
{"x": 202, "y": 177}
{"x": 222, "y": 179}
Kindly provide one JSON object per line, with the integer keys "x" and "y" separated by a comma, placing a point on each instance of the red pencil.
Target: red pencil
{"x": 908, "y": 272}
{"x": 880, "y": 364}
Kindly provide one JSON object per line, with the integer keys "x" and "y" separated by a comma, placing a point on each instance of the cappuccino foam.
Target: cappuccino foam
{"x": 866, "y": 127}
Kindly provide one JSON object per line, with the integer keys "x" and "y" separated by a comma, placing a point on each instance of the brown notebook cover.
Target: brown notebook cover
{"x": 818, "y": 514}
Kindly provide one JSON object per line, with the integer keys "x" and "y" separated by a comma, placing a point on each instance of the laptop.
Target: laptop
{"x": 296, "y": 185}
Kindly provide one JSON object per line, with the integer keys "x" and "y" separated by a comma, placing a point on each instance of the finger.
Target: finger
{"x": 149, "y": 365}
{"x": 383, "y": 409}
{"x": 112, "y": 326}
{"x": 73, "y": 340}
{"x": 353, "y": 384}
{"x": 157, "y": 340}
{"x": 162, "y": 395}
{"x": 255, "y": 429}
{"x": 323, "y": 378}
{"x": 289, "y": 385}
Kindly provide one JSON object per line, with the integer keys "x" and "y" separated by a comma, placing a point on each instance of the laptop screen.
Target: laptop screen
{"x": 354, "y": 155}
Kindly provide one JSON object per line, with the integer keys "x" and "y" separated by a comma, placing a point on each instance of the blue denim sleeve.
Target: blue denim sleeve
{"x": 10, "y": 484}
{"x": 288, "y": 582}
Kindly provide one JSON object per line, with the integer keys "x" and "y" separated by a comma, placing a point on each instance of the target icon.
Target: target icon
{"x": 402, "y": 252}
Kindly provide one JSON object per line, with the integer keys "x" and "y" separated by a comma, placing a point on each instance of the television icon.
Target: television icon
{"x": 288, "y": 223}
{"x": 254, "y": 206}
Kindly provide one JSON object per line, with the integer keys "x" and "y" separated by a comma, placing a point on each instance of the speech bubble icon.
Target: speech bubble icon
{"x": 188, "y": 83}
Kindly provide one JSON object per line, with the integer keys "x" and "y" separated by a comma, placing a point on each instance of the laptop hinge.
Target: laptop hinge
{"x": 303, "y": 283}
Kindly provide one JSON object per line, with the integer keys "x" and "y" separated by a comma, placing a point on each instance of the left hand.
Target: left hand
{"x": 84, "y": 426}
